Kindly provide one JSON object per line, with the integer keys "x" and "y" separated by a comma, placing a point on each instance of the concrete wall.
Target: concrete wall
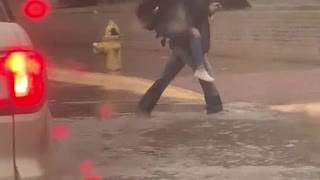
{"x": 291, "y": 35}
{"x": 276, "y": 35}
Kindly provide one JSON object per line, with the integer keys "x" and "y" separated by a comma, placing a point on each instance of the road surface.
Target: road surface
{"x": 242, "y": 143}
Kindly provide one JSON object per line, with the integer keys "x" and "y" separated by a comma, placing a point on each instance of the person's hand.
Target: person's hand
{"x": 195, "y": 32}
{"x": 213, "y": 8}
{"x": 217, "y": 6}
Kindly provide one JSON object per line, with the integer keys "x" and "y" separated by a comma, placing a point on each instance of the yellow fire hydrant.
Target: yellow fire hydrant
{"x": 110, "y": 47}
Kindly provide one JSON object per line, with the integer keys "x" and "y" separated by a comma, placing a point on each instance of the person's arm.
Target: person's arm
{"x": 214, "y": 8}
{"x": 195, "y": 32}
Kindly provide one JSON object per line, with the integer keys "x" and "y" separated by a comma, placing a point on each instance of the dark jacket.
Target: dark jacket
{"x": 197, "y": 10}
{"x": 170, "y": 19}
{"x": 175, "y": 19}
{"x": 204, "y": 29}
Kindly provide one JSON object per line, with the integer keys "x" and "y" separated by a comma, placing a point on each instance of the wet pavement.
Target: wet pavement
{"x": 245, "y": 142}
{"x": 78, "y": 100}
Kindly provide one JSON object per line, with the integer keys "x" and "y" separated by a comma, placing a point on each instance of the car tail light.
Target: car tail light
{"x": 3, "y": 95}
{"x": 3, "y": 90}
{"x": 3, "y": 103}
{"x": 25, "y": 76}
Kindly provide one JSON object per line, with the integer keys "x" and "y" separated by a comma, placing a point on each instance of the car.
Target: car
{"x": 24, "y": 114}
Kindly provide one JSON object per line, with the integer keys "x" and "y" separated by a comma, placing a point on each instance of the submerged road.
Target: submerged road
{"x": 243, "y": 143}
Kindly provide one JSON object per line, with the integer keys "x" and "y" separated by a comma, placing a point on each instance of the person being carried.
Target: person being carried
{"x": 195, "y": 11}
{"x": 199, "y": 43}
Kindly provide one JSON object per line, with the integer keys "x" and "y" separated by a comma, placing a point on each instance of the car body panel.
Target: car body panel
{"x": 31, "y": 143}
{"x": 13, "y": 36}
{"x": 6, "y": 149}
{"x": 27, "y": 132}
{"x": 7, "y": 171}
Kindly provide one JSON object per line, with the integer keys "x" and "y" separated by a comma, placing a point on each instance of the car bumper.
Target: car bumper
{"x": 31, "y": 141}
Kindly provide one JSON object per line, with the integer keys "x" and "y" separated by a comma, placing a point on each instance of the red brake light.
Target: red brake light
{"x": 3, "y": 103}
{"x": 25, "y": 72}
{"x": 36, "y": 9}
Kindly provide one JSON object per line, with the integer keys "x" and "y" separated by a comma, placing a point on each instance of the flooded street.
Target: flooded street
{"x": 244, "y": 142}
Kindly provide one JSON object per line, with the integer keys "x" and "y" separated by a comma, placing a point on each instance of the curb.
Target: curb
{"x": 310, "y": 109}
{"x": 121, "y": 109}
{"x": 118, "y": 82}
{"x": 179, "y": 95}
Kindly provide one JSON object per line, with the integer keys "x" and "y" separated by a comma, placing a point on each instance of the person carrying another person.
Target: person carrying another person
{"x": 186, "y": 24}
{"x": 173, "y": 17}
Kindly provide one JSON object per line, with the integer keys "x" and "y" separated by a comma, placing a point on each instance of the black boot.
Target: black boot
{"x": 214, "y": 104}
{"x": 150, "y": 99}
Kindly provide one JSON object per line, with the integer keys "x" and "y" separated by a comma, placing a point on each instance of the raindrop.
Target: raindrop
{"x": 59, "y": 132}
{"x": 106, "y": 111}
{"x": 87, "y": 168}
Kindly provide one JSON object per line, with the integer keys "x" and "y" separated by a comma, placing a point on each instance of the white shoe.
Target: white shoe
{"x": 203, "y": 75}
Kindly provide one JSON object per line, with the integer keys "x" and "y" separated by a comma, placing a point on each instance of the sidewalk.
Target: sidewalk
{"x": 81, "y": 94}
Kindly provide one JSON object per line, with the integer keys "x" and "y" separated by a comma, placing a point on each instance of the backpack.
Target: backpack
{"x": 171, "y": 18}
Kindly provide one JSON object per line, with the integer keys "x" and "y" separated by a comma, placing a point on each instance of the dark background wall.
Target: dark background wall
{"x": 228, "y": 4}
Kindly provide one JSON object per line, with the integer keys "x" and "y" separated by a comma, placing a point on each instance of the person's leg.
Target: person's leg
{"x": 211, "y": 93}
{"x": 196, "y": 52}
{"x": 149, "y": 100}
{"x": 198, "y": 60}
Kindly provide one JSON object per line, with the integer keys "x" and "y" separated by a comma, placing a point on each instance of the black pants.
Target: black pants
{"x": 178, "y": 59}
